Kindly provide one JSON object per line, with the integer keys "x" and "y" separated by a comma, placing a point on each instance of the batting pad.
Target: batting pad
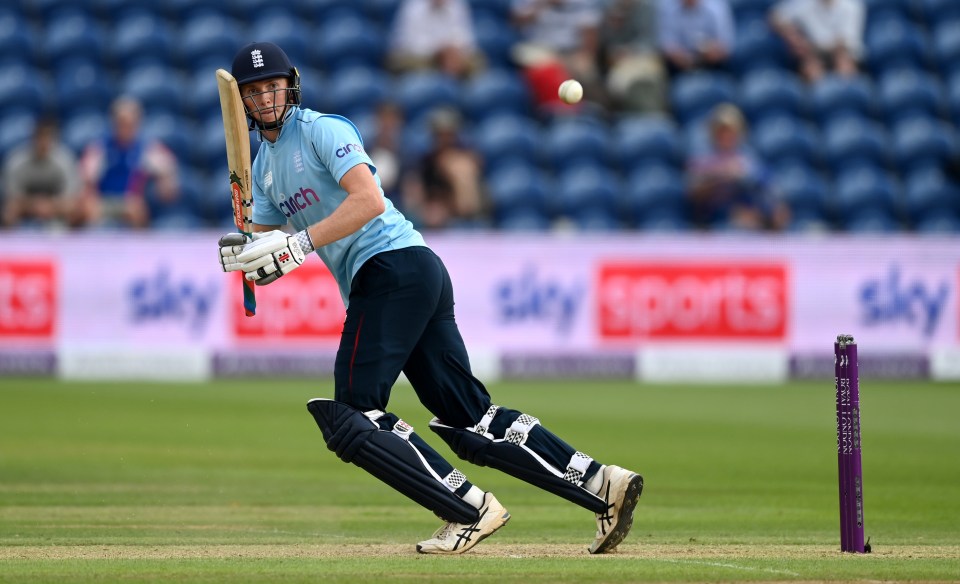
{"x": 513, "y": 457}
{"x": 389, "y": 456}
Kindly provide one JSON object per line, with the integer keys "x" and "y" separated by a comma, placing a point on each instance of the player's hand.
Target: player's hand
{"x": 270, "y": 256}
{"x": 231, "y": 245}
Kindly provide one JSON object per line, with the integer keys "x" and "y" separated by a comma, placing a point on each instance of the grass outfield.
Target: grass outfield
{"x": 231, "y": 481}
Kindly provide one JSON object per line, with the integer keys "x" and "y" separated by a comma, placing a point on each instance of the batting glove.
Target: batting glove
{"x": 231, "y": 245}
{"x": 273, "y": 254}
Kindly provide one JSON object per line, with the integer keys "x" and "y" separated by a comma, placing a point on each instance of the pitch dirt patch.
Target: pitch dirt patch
{"x": 681, "y": 553}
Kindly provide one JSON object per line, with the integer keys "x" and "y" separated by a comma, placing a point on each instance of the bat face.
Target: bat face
{"x": 237, "y": 136}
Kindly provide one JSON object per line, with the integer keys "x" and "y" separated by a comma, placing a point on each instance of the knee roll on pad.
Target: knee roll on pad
{"x": 512, "y": 455}
{"x": 390, "y": 456}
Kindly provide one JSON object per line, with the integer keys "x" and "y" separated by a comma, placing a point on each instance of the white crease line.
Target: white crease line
{"x": 732, "y": 567}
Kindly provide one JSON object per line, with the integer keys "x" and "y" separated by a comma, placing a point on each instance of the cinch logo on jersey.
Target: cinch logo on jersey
{"x": 695, "y": 301}
{"x": 345, "y": 149}
{"x": 298, "y": 202}
{"x": 257, "y": 58}
{"x": 28, "y": 298}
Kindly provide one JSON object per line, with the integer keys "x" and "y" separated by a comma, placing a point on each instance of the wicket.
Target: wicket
{"x": 847, "y": 382}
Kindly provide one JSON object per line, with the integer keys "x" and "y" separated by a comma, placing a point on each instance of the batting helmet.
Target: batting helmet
{"x": 258, "y": 61}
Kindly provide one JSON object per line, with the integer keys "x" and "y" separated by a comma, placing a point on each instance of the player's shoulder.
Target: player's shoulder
{"x": 325, "y": 124}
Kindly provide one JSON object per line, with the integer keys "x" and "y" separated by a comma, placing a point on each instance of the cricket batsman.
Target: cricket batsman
{"x": 312, "y": 172}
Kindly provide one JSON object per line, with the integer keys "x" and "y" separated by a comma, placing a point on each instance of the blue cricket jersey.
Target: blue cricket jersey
{"x": 297, "y": 180}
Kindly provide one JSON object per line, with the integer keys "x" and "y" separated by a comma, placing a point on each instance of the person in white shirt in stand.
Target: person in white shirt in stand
{"x": 825, "y": 36}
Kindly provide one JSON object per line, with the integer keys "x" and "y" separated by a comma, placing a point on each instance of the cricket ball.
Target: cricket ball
{"x": 570, "y": 91}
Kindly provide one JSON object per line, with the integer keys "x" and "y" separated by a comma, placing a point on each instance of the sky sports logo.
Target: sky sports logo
{"x": 695, "y": 301}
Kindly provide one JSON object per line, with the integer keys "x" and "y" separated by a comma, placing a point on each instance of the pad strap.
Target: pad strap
{"x": 518, "y": 432}
{"x": 483, "y": 426}
{"x": 579, "y": 463}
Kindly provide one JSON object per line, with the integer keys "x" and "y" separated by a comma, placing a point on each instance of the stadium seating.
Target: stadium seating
{"x": 802, "y": 189}
{"x": 921, "y": 141}
{"x": 419, "y": 93}
{"x": 692, "y": 96}
{"x": 757, "y": 47}
{"x": 72, "y": 33}
{"x": 347, "y": 41}
{"x": 893, "y": 43}
{"x": 83, "y": 128}
{"x": 584, "y": 192}
{"x": 771, "y": 91}
{"x": 577, "y": 140}
{"x": 18, "y": 43}
{"x": 870, "y": 222}
{"x": 82, "y": 85}
{"x": 494, "y": 39}
{"x": 209, "y": 39}
{"x": 837, "y": 96}
{"x": 280, "y": 26}
{"x": 928, "y": 193}
{"x": 23, "y": 87}
{"x": 907, "y": 92}
{"x": 653, "y": 191}
{"x": 505, "y": 139}
{"x": 18, "y": 125}
{"x": 648, "y": 138}
{"x": 157, "y": 88}
{"x": 862, "y": 188}
{"x": 354, "y": 91}
{"x": 851, "y": 139}
{"x": 495, "y": 92}
{"x": 140, "y": 39}
{"x": 518, "y": 189}
{"x": 785, "y": 139}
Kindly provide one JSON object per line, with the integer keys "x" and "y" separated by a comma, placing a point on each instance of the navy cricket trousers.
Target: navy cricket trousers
{"x": 400, "y": 318}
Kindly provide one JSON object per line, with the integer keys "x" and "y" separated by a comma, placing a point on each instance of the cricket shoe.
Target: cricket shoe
{"x": 456, "y": 538}
{"x": 621, "y": 491}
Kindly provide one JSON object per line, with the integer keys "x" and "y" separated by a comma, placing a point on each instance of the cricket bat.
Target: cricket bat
{"x": 238, "y": 162}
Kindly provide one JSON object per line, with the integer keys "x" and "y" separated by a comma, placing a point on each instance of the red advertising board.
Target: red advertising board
{"x": 304, "y": 304}
{"x": 715, "y": 300}
{"x": 28, "y": 298}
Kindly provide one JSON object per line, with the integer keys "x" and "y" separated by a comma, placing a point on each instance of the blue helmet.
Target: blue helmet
{"x": 258, "y": 61}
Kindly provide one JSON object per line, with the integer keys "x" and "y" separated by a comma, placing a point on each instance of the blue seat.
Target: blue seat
{"x": 18, "y": 43}
{"x": 838, "y": 95}
{"x": 45, "y": 10}
{"x": 870, "y": 221}
{"x": 907, "y": 92}
{"x": 954, "y": 97}
{"x": 664, "y": 221}
{"x": 585, "y": 190}
{"x": 946, "y": 43}
{"x": 156, "y": 87}
{"x": 938, "y": 224}
{"x": 524, "y": 221}
{"x": 862, "y": 187}
{"x": 211, "y": 38}
{"x": 495, "y": 92}
{"x": 139, "y": 39}
{"x": 596, "y": 219}
{"x": 495, "y": 39}
{"x": 320, "y": 11}
{"x": 70, "y": 35}
{"x": 119, "y": 10}
{"x": 643, "y": 139}
{"x": 851, "y": 139}
{"x": 168, "y": 129}
{"x": 802, "y": 189}
{"x": 937, "y": 10}
{"x": 347, "y": 42}
{"x": 204, "y": 96}
{"x": 182, "y": 11}
{"x": 929, "y": 192}
{"x": 18, "y": 126}
{"x": 518, "y": 188}
{"x": 83, "y": 128}
{"x": 23, "y": 87}
{"x": 356, "y": 90}
{"x": 892, "y": 43}
{"x": 781, "y": 139}
{"x": 758, "y": 47}
{"x": 283, "y": 28}
{"x": 693, "y": 95}
{"x": 921, "y": 141}
{"x": 381, "y": 11}
{"x": 652, "y": 190}
{"x": 884, "y": 8}
{"x": 569, "y": 141}
{"x": 419, "y": 93}
{"x": 82, "y": 84}
{"x": 503, "y": 139}
{"x": 498, "y": 9}
{"x": 772, "y": 91}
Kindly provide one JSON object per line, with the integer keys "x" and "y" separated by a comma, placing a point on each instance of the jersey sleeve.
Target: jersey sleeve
{"x": 339, "y": 146}
{"x": 264, "y": 211}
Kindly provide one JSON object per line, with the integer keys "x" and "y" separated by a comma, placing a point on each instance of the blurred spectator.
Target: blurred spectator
{"x": 824, "y": 35}
{"x": 695, "y": 34}
{"x": 385, "y": 150}
{"x": 40, "y": 181}
{"x": 121, "y": 170}
{"x": 445, "y": 189}
{"x": 628, "y": 56}
{"x": 726, "y": 184}
{"x": 434, "y": 34}
{"x": 560, "y": 41}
